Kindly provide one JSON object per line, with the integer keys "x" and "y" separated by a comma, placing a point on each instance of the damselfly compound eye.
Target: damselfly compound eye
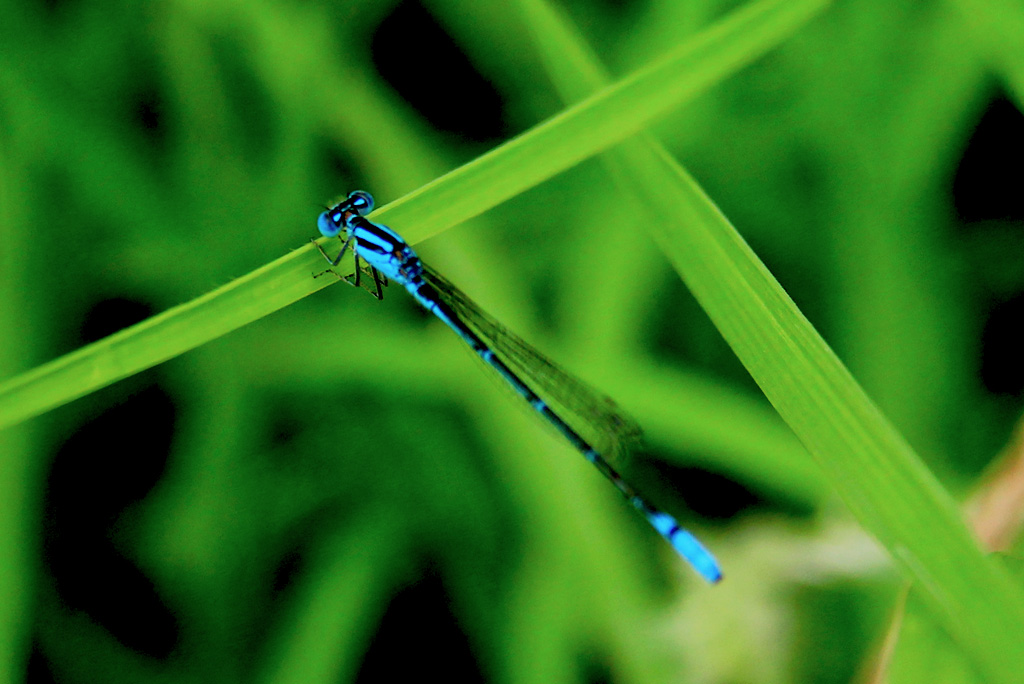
{"x": 361, "y": 202}
{"x": 329, "y": 223}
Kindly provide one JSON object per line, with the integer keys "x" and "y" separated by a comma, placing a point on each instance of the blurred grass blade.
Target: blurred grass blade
{"x": 601, "y": 121}
{"x": 928, "y": 655}
{"x": 882, "y": 480}
{"x": 333, "y": 612}
{"x": 19, "y": 471}
{"x": 923, "y": 651}
{"x": 996, "y": 27}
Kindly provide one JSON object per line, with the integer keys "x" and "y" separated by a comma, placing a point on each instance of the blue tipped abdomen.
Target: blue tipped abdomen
{"x": 687, "y": 546}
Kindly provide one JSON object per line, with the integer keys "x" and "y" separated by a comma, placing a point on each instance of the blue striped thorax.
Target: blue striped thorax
{"x": 386, "y": 251}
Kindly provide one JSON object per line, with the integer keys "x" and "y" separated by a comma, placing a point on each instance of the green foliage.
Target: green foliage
{"x": 332, "y": 460}
{"x": 882, "y": 481}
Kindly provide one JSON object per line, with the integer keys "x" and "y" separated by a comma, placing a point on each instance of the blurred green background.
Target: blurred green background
{"x": 339, "y": 492}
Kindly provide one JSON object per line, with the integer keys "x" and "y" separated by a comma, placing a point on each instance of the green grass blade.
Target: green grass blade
{"x": 161, "y": 337}
{"x": 602, "y": 120}
{"x": 338, "y": 605}
{"x": 19, "y": 471}
{"x": 882, "y": 480}
{"x": 607, "y": 118}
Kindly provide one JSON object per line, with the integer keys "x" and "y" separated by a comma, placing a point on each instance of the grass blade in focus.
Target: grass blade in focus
{"x": 882, "y": 480}
{"x": 607, "y": 118}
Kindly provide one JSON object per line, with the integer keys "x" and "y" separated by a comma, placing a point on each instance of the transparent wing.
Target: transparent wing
{"x": 595, "y": 416}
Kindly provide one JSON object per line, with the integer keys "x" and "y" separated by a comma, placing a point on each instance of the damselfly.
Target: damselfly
{"x": 387, "y": 256}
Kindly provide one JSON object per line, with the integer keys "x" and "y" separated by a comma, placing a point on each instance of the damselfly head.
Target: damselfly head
{"x": 336, "y": 218}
